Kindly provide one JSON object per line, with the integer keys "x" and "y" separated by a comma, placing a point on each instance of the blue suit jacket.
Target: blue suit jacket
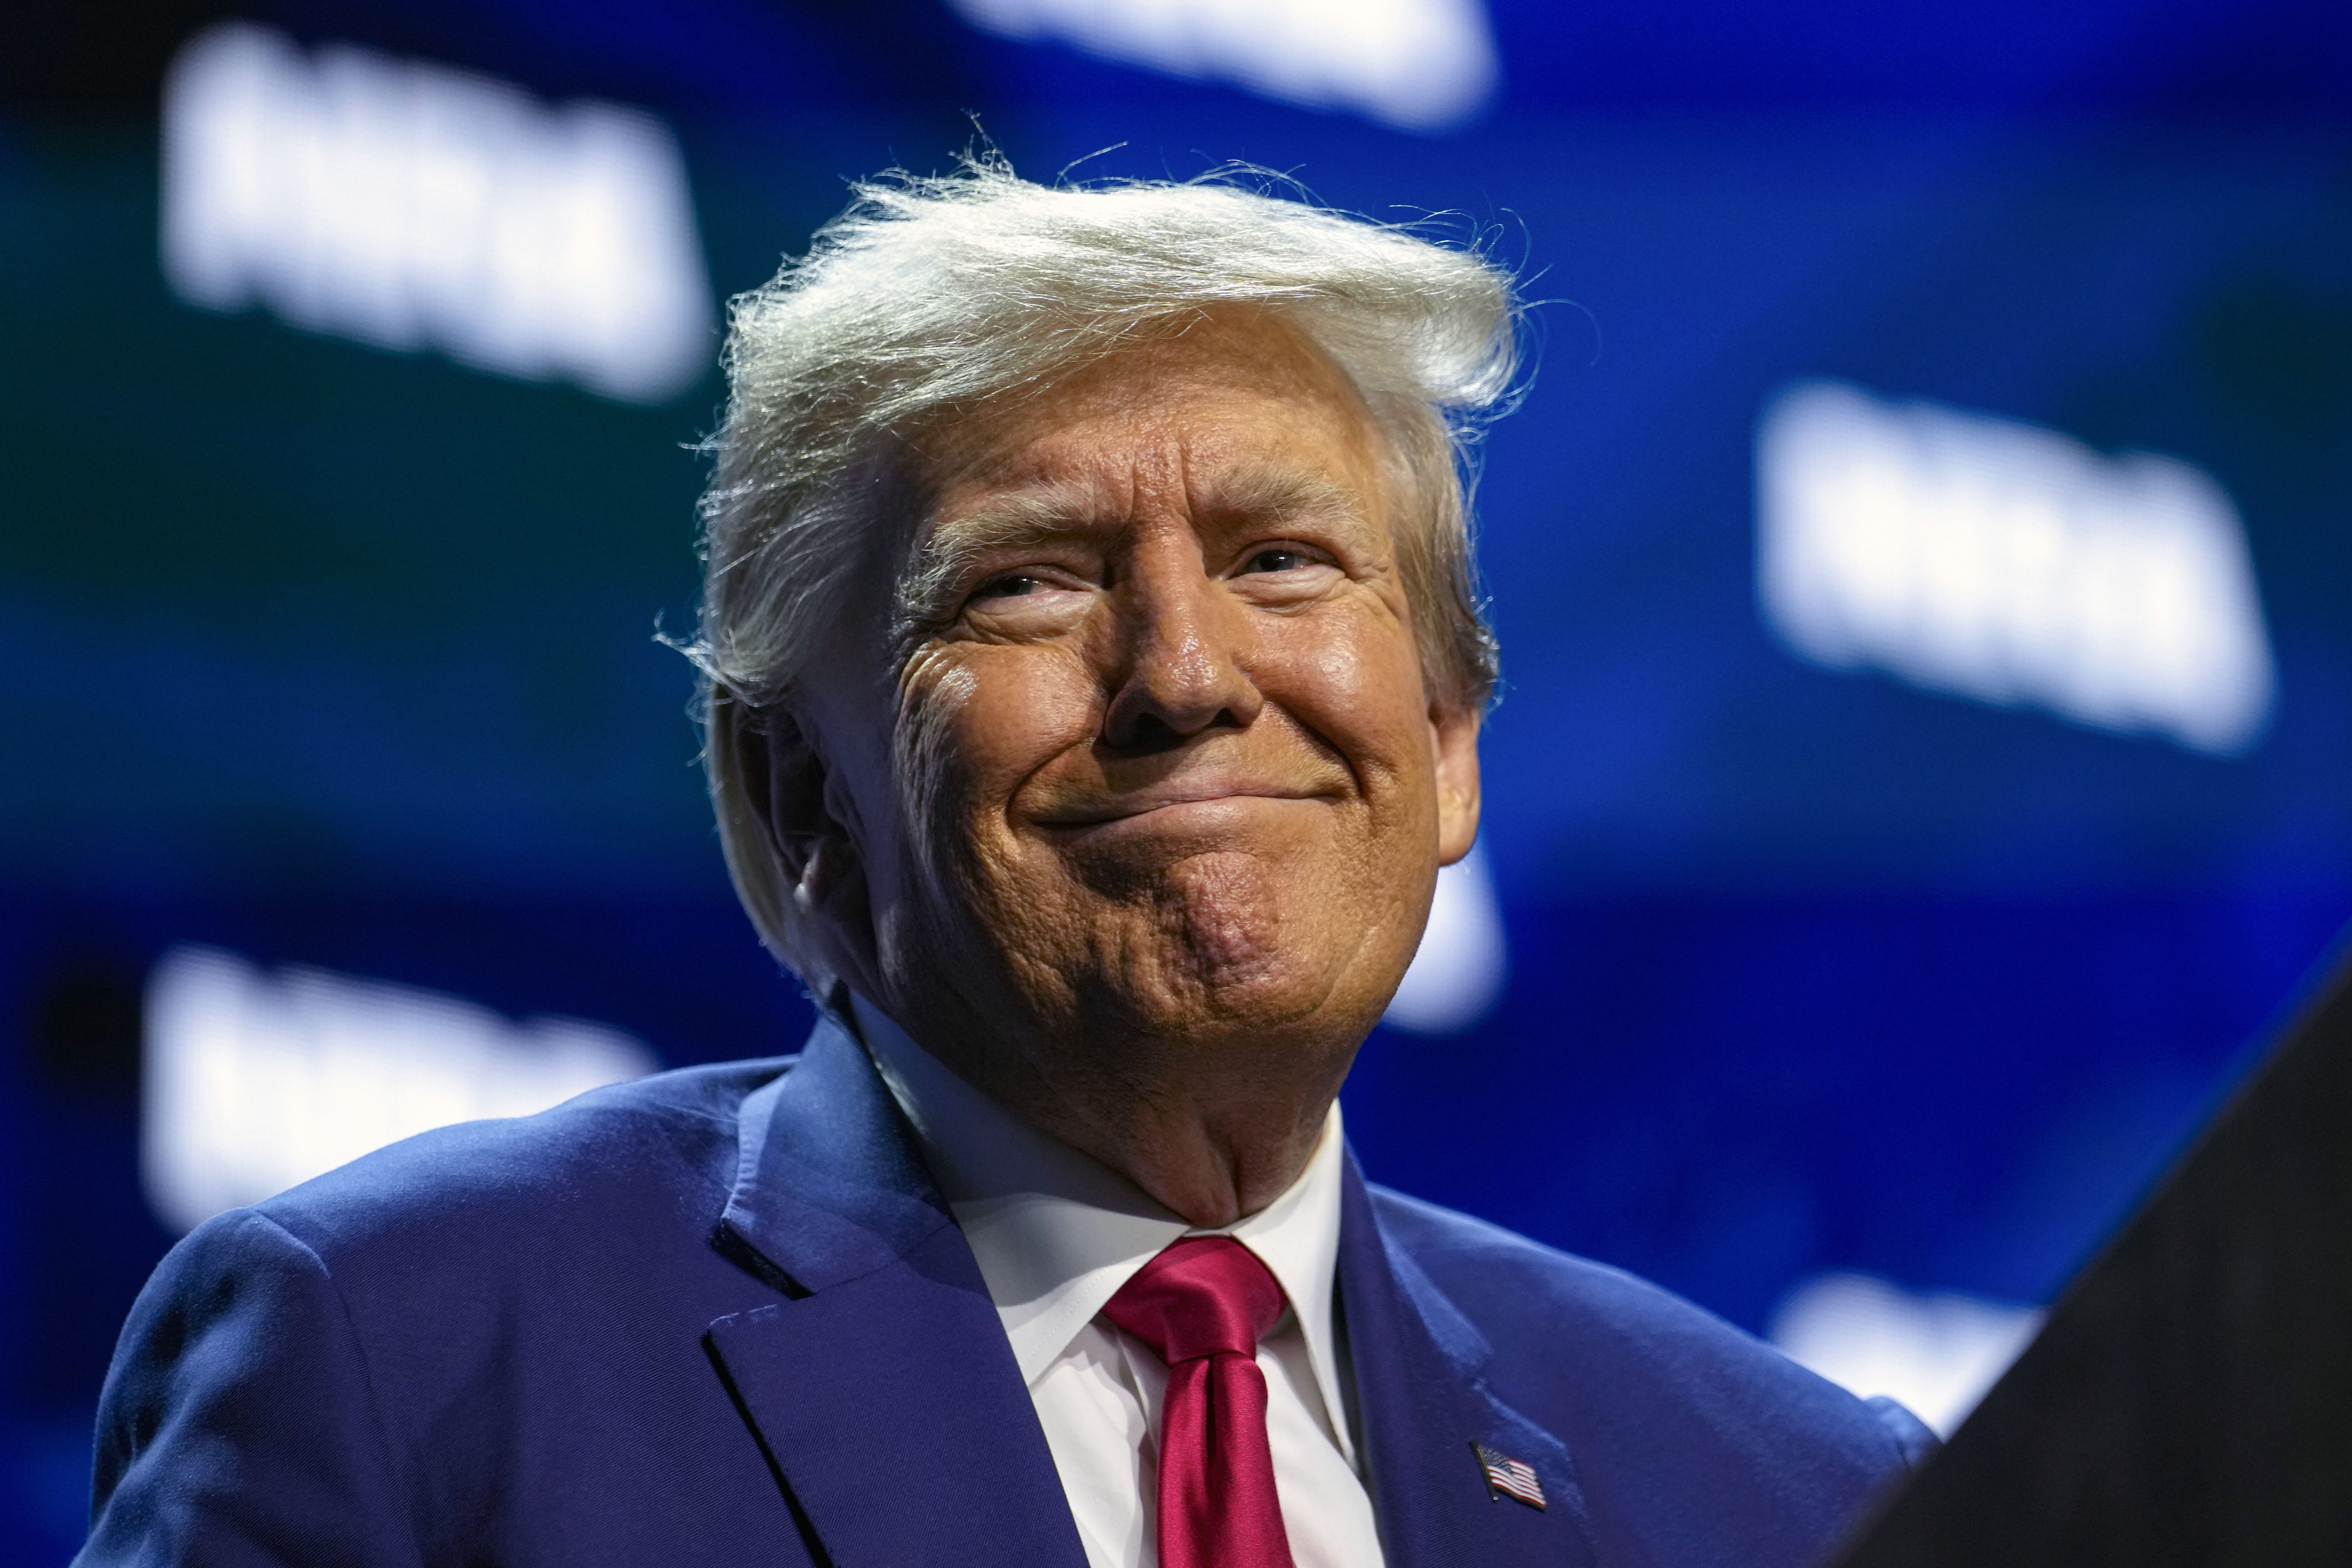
{"x": 722, "y": 1315}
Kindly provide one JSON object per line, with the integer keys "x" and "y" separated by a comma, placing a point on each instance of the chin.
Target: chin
{"x": 1242, "y": 948}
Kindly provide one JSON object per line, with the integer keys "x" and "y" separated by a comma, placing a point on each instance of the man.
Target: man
{"x": 1093, "y": 680}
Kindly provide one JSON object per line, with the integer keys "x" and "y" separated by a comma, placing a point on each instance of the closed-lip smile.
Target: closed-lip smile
{"x": 1145, "y": 802}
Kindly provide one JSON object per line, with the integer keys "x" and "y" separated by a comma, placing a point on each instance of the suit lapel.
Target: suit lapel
{"x": 884, "y": 1391}
{"x": 1422, "y": 1399}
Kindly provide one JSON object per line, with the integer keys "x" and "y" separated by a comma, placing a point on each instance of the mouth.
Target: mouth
{"x": 1171, "y": 805}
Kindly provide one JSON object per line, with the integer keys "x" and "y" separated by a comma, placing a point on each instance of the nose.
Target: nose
{"x": 1181, "y": 656}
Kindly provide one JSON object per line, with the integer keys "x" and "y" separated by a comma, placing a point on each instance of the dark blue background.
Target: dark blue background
{"x": 342, "y": 657}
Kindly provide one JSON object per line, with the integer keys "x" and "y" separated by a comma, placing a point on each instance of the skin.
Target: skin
{"x": 1140, "y": 830}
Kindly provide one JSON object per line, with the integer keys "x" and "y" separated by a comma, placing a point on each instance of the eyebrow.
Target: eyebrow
{"x": 1272, "y": 492}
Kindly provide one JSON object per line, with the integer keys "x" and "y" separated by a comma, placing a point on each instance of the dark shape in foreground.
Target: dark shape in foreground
{"x": 2190, "y": 1399}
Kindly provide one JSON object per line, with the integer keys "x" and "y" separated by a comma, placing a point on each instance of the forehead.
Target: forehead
{"x": 1231, "y": 400}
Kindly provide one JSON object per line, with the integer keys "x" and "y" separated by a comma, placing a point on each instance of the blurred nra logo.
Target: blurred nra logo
{"x": 1992, "y": 559}
{"x": 412, "y": 206}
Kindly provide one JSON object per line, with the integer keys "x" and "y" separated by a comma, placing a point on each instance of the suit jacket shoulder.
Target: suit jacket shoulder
{"x": 483, "y": 1342}
{"x": 1693, "y": 1442}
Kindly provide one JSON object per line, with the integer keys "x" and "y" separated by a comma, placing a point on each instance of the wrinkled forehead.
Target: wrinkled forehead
{"x": 1235, "y": 408}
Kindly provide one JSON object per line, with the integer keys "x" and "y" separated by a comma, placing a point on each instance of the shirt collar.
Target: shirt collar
{"x": 1056, "y": 1233}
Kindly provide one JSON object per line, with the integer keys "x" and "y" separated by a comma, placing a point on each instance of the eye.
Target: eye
{"x": 1276, "y": 558}
{"x": 1028, "y": 601}
{"x": 1011, "y": 585}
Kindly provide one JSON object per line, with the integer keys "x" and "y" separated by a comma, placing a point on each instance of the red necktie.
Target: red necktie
{"x": 1202, "y": 1305}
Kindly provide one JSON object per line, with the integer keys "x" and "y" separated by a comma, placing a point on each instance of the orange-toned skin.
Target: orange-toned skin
{"x": 1141, "y": 834}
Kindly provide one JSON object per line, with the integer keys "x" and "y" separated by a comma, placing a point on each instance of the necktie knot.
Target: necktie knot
{"x": 1202, "y": 1297}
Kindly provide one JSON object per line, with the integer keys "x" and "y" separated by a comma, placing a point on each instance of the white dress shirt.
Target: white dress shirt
{"x": 1056, "y": 1234}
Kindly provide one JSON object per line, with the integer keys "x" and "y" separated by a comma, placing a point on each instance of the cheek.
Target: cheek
{"x": 1357, "y": 684}
{"x": 925, "y": 757}
{"x": 975, "y": 723}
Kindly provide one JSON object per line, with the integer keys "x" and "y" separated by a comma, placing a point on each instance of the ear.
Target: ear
{"x": 787, "y": 785}
{"x": 1453, "y": 732}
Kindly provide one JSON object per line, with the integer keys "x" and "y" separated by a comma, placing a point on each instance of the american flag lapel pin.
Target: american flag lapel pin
{"x": 1507, "y": 1476}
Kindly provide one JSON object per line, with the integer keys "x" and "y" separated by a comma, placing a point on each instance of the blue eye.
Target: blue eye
{"x": 1275, "y": 561}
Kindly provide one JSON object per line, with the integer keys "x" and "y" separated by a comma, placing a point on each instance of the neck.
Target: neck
{"x": 1213, "y": 1131}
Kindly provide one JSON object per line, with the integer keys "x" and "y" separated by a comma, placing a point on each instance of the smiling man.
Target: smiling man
{"x": 1172, "y": 792}
{"x": 1094, "y": 681}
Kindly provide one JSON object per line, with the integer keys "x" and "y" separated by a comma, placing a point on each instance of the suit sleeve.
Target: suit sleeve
{"x": 1914, "y": 1439}
{"x": 239, "y": 1428}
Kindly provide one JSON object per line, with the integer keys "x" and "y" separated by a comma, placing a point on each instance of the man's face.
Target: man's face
{"x": 1163, "y": 763}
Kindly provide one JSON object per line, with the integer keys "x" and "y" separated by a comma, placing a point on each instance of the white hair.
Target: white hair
{"x": 928, "y": 295}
